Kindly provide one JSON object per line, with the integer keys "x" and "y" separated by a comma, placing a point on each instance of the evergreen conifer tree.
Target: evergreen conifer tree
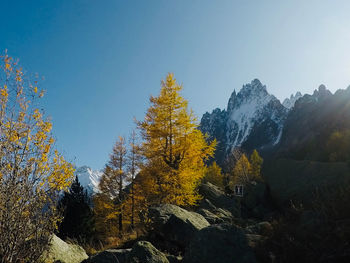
{"x": 78, "y": 221}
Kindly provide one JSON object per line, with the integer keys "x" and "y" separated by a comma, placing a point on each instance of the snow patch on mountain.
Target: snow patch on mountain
{"x": 89, "y": 178}
{"x": 253, "y": 119}
{"x": 251, "y": 106}
{"x": 289, "y": 102}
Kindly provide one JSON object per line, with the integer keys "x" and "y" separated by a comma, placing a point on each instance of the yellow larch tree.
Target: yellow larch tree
{"x": 242, "y": 171}
{"x": 114, "y": 178}
{"x": 256, "y": 162}
{"x": 173, "y": 147}
{"x": 134, "y": 162}
{"x": 32, "y": 173}
{"x": 213, "y": 174}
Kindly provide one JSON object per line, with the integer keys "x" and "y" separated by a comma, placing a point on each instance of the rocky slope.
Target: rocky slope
{"x": 180, "y": 235}
{"x": 312, "y": 121}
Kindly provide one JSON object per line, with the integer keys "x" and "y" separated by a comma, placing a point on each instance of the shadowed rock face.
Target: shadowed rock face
{"x": 215, "y": 198}
{"x": 220, "y": 243}
{"x": 110, "y": 255}
{"x": 175, "y": 224}
{"x": 299, "y": 181}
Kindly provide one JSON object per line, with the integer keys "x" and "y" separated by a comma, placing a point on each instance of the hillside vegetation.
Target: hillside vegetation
{"x": 300, "y": 180}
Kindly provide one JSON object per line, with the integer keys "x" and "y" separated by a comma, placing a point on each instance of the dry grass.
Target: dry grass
{"x": 96, "y": 246}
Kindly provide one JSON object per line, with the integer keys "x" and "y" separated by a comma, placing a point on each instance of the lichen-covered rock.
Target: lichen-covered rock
{"x": 175, "y": 224}
{"x": 60, "y": 251}
{"x": 210, "y": 217}
{"x": 145, "y": 252}
{"x": 216, "y": 216}
{"x": 215, "y": 198}
{"x": 220, "y": 243}
{"x": 110, "y": 255}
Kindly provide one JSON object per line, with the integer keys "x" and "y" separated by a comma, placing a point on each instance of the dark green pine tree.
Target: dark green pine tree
{"x": 78, "y": 221}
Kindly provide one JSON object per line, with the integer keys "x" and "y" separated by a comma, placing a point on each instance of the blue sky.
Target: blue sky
{"x": 103, "y": 59}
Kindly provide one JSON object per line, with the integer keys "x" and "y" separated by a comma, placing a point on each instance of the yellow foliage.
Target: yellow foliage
{"x": 174, "y": 148}
{"x": 242, "y": 171}
{"x": 27, "y": 156}
{"x": 106, "y": 219}
{"x": 214, "y": 175}
{"x": 246, "y": 171}
{"x": 256, "y": 162}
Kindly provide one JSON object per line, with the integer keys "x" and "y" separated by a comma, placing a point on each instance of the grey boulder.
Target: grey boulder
{"x": 175, "y": 224}
{"x": 145, "y": 252}
{"x": 60, "y": 251}
{"x": 215, "y": 198}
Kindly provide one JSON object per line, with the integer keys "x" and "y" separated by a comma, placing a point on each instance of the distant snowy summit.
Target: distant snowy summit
{"x": 253, "y": 119}
{"x": 89, "y": 178}
{"x": 250, "y": 109}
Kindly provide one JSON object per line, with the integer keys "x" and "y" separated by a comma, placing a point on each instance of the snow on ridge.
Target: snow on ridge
{"x": 245, "y": 108}
{"x": 89, "y": 178}
{"x": 279, "y": 136}
{"x": 289, "y": 102}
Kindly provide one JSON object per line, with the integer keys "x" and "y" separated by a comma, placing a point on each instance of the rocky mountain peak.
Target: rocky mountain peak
{"x": 289, "y": 102}
{"x": 322, "y": 92}
{"x": 232, "y": 101}
{"x": 252, "y": 113}
{"x": 89, "y": 178}
{"x": 249, "y": 92}
{"x": 254, "y": 87}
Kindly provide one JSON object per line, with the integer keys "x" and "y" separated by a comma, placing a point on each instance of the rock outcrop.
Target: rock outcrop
{"x": 175, "y": 224}
{"x": 145, "y": 252}
{"x": 218, "y": 203}
{"x": 60, "y": 251}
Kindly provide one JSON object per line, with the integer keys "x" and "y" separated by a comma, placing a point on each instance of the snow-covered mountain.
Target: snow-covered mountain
{"x": 289, "y": 102}
{"x": 89, "y": 178}
{"x": 253, "y": 119}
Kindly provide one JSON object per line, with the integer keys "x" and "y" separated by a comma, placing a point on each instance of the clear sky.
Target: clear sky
{"x": 103, "y": 59}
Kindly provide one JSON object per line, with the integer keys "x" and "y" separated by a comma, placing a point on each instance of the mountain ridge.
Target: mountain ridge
{"x": 252, "y": 119}
{"x": 89, "y": 178}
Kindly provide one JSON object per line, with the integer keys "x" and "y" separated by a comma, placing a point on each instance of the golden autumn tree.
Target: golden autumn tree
{"x": 32, "y": 173}
{"x": 173, "y": 147}
{"x": 134, "y": 162}
{"x": 242, "y": 171}
{"x": 113, "y": 181}
{"x": 213, "y": 174}
{"x": 106, "y": 216}
{"x": 256, "y": 162}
